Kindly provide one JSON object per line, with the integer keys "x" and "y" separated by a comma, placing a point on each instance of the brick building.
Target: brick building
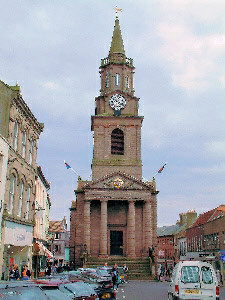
{"x": 116, "y": 212}
{"x": 166, "y": 243}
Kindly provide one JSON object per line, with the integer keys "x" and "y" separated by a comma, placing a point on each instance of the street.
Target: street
{"x": 147, "y": 290}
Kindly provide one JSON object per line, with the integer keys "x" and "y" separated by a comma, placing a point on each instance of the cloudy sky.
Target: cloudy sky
{"x": 53, "y": 49}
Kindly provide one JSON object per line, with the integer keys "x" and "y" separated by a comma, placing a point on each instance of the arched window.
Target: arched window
{"x": 31, "y": 152}
{"x": 24, "y": 142}
{"x": 117, "y": 79}
{"x": 11, "y": 193}
{"x": 20, "y": 198}
{"x": 28, "y": 202}
{"x": 15, "y": 136}
{"x": 107, "y": 80}
{"x": 127, "y": 82}
{"x": 117, "y": 142}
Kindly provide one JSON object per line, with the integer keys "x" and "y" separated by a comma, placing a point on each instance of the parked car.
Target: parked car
{"x": 17, "y": 292}
{"x": 51, "y": 289}
{"x": 193, "y": 280}
{"x": 106, "y": 293}
{"x": 101, "y": 281}
{"x": 80, "y": 290}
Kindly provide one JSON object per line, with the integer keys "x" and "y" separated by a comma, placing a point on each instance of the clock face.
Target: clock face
{"x": 117, "y": 102}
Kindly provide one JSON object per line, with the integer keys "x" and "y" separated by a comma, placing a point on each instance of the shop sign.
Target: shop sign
{"x": 161, "y": 253}
{"x": 18, "y": 234}
{"x": 11, "y": 261}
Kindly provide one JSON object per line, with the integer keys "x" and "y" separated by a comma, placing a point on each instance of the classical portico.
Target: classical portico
{"x": 116, "y": 212}
{"x": 116, "y": 221}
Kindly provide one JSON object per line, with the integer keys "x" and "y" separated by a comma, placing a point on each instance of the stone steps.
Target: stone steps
{"x": 138, "y": 268}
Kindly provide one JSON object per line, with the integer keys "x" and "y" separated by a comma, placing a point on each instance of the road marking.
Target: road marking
{"x": 124, "y": 296}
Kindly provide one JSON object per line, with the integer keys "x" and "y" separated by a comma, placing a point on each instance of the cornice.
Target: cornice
{"x": 24, "y": 108}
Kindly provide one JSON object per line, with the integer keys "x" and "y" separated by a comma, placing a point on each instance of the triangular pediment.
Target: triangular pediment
{"x": 120, "y": 181}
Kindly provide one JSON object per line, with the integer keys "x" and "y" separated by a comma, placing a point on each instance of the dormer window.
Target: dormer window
{"x": 117, "y": 79}
{"x": 117, "y": 142}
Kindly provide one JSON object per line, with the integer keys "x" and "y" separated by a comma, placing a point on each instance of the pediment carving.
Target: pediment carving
{"x": 119, "y": 181}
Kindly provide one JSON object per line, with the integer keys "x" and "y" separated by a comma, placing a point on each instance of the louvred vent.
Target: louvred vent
{"x": 117, "y": 142}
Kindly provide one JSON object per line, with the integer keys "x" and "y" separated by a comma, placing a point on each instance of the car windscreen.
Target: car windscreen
{"x": 24, "y": 293}
{"x": 190, "y": 274}
{"x": 103, "y": 272}
{"x": 55, "y": 294}
{"x": 207, "y": 277}
{"x": 78, "y": 288}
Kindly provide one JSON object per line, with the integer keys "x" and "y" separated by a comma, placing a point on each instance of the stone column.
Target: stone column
{"x": 148, "y": 225}
{"x": 131, "y": 229}
{"x": 103, "y": 229}
{"x": 87, "y": 224}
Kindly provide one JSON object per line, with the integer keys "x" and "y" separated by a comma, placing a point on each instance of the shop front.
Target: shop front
{"x": 17, "y": 246}
{"x": 41, "y": 257}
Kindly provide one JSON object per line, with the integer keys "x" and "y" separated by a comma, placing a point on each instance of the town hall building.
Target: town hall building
{"x": 115, "y": 214}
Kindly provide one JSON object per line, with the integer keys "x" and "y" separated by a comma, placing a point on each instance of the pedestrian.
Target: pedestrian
{"x": 162, "y": 271}
{"x": 105, "y": 266}
{"x": 24, "y": 273}
{"x": 11, "y": 273}
{"x": 125, "y": 268}
{"x": 28, "y": 273}
{"x": 16, "y": 272}
{"x": 115, "y": 277}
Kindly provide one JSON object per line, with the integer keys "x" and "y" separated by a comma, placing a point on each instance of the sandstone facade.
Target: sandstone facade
{"x": 116, "y": 212}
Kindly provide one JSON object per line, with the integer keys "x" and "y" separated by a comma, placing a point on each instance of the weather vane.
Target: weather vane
{"x": 117, "y": 9}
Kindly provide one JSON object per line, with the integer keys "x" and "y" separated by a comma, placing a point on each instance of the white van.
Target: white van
{"x": 193, "y": 280}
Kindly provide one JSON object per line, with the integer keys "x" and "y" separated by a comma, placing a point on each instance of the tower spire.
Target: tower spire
{"x": 117, "y": 41}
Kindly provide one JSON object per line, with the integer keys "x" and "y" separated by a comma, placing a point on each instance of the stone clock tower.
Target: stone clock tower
{"x": 116, "y": 124}
{"x": 116, "y": 212}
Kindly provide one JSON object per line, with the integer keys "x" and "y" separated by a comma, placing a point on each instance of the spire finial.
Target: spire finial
{"x": 117, "y": 9}
{"x": 117, "y": 41}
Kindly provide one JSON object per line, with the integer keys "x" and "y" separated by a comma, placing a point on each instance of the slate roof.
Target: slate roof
{"x": 167, "y": 230}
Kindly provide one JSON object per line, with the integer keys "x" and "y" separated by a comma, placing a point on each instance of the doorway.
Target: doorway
{"x": 116, "y": 242}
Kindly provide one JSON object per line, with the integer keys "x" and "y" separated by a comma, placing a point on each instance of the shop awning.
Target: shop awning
{"x": 44, "y": 249}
